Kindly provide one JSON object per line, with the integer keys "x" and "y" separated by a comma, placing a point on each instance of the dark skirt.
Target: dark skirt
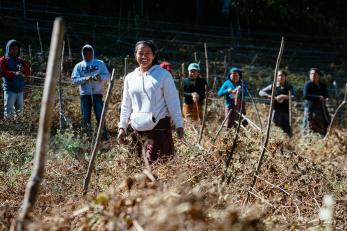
{"x": 156, "y": 143}
{"x": 281, "y": 119}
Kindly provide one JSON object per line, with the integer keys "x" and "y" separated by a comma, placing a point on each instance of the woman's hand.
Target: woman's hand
{"x": 121, "y": 136}
{"x": 180, "y": 133}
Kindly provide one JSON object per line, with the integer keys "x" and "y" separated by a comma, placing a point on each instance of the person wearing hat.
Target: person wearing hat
{"x": 13, "y": 70}
{"x": 280, "y": 114}
{"x": 231, "y": 90}
{"x": 194, "y": 93}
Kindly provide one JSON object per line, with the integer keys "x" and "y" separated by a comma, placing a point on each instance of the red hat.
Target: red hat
{"x": 167, "y": 66}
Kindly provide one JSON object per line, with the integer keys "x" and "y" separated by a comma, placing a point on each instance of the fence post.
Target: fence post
{"x": 44, "y": 123}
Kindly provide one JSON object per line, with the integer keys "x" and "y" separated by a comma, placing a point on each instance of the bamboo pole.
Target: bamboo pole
{"x": 206, "y": 97}
{"x": 60, "y": 91}
{"x": 263, "y": 147}
{"x": 30, "y": 55}
{"x": 69, "y": 46}
{"x": 44, "y": 123}
{"x": 290, "y": 108}
{"x": 233, "y": 147}
{"x": 180, "y": 84}
{"x": 98, "y": 135}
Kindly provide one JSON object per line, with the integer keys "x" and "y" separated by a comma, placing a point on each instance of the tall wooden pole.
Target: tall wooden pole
{"x": 206, "y": 98}
{"x": 263, "y": 147}
{"x": 52, "y": 75}
{"x": 98, "y": 136}
{"x": 60, "y": 92}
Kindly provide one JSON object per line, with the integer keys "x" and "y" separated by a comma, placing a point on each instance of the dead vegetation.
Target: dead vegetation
{"x": 186, "y": 193}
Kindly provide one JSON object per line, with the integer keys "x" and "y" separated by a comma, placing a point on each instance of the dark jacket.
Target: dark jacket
{"x": 312, "y": 92}
{"x": 190, "y": 85}
{"x": 9, "y": 66}
{"x": 280, "y": 90}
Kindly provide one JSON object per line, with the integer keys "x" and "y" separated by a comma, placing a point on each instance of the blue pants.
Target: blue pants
{"x": 87, "y": 102}
{"x": 13, "y": 102}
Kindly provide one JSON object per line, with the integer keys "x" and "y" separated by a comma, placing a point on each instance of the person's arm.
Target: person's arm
{"x": 265, "y": 91}
{"x": 4, "y": 70}
{"x": 223, "y": 90}
{"x": 172, "y": 101}
{"x": 126, "y": 108}
{"x": 76, "y": 77}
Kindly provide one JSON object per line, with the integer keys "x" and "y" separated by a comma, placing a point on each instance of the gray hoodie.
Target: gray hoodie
{"x": 83, "y": 70}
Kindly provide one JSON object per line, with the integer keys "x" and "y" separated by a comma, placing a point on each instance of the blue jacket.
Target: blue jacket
{"x": 83, "y": 70}
{"x": 224, "y": 91}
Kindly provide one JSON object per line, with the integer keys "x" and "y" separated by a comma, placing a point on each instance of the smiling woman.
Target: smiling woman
{"x": 150, "y": 100}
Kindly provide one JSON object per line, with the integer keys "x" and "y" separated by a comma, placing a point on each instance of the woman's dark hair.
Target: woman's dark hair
{"x": 316, "y": 70}
{"x": 151, "y": 45}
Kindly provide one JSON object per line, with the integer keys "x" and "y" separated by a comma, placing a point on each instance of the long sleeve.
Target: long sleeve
{"x": 172, "y": 101}
{"x": 264, "y": 92}
{"x": 308, "y": 94}
{"x": 4, "y": 70}
{"x": 126, "y": 108}
{"x": 104, "y": 73}
{"x": 76, "y": 77}
{"x": 223, "y": 90}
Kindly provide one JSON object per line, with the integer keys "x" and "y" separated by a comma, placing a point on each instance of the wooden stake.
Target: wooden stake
{"x": 206, "y": 98}
{"x": 337, "y": 110}
{"x": 263, "y": 147}
{"x": 233, "y": 147}
{"x": 290, "y": 108}
{"x": 68, "y": 44}
{"x": 44, "y": 124}
{"x": 98, "y": 135}
{"x": 30, "y": 55}
{"x": 60, "y": 91}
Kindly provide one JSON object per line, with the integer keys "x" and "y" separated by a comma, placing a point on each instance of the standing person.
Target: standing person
{"x": 194, "y": 93}
{"x": 89, "y": 75}
{"x": 280, "y": 114}
{"x": 316, "y": 116}
{"x": 231, "y": 90}
{"x": 13, "y": 70}
{"x": 149, "y": 101}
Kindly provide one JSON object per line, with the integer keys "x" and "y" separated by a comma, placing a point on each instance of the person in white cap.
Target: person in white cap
{"x": 194, "y": 93}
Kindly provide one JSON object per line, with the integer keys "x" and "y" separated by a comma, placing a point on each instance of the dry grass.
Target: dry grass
{"x": 187, "y": 194}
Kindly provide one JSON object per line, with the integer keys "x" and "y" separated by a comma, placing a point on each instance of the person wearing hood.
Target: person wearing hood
{"x": 150, "y": 100}
{"x": 89, "y": 75}
{"x": 231, "y": 90}
{"x": 13, "y": 70}
{"x": 280, "y": 114}
{"x": 194, "y": 88}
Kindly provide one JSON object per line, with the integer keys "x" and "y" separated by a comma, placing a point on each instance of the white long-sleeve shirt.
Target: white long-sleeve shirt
{"x": 152, "y": 91}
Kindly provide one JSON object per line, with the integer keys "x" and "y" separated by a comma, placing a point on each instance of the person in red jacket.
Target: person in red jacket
{"x": 13, "y": 71}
